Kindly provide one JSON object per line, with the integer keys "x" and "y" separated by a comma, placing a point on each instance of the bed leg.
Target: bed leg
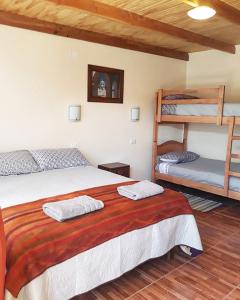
{"x": 170, "y": 254}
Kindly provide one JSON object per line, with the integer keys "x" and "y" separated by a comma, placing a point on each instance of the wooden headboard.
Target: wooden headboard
{"x": 170, "y": 146}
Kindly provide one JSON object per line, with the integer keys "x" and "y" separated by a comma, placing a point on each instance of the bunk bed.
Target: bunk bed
{"x": 204, "y": 106}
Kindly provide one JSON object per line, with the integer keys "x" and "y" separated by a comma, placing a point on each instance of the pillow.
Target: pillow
{"x": 188, "y": 156}
{"x": 178, "y": 157}
{"x": 49, "y": 159}
{"x": 179, "y": 97}
{"x": 171, "y": 157}
{"x": 17, "y": 162}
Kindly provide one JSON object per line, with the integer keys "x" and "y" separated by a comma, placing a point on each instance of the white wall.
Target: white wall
{"x": 210, "y": 69}
{"x": 213, "y": 68}
{"x": 42, "y": 74}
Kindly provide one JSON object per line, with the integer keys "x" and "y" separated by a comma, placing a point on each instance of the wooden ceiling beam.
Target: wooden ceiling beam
{"x": 223, "y": 10}
{"x": 16, "y": 20}
{"x": 133, "y": 19}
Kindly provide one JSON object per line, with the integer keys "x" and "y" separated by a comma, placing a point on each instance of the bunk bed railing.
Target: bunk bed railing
{"x": 217, "y": 98}
{"x": 229, "y": 157}
{"x": 190, "y": 101}
{"x": 221, "y": 94}
{"x": 228, "y": 153}
{"x": 190, "y": 91}
{"x": 155, "y": 137}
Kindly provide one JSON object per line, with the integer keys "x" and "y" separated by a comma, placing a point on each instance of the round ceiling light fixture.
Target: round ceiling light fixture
{"x": 201, "y": 13}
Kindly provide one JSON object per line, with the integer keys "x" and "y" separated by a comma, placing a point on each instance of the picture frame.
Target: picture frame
{"x": 105, "y": 84}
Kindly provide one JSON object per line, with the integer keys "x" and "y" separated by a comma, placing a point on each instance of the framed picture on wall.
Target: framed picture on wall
{"x": 105, "y": 84}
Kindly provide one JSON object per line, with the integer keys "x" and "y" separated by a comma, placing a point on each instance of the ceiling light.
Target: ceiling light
{"x": 201, "y": 13}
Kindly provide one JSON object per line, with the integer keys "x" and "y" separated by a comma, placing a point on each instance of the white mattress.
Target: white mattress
{"x": 230, "y": 109}
{"x": 105, "y": 262}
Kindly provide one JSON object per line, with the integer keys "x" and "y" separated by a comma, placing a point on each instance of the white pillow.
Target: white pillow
{"x": 170, "y": 160}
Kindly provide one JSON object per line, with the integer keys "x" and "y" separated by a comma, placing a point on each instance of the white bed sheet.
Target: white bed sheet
{"x": 105, "y": 262}
{"x": 25, "y": 188}
{"x": 230, "y": 109}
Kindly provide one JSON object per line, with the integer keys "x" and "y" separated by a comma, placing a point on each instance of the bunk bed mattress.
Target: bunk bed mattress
{"x": 230, "y": 109}
{"x": 203, "y": 170}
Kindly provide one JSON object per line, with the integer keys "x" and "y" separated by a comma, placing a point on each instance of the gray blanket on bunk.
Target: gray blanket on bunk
{"x": 203, "y": 170}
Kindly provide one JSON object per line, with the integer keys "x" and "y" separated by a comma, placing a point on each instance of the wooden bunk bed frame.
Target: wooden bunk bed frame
{"x": 219, "y": 119}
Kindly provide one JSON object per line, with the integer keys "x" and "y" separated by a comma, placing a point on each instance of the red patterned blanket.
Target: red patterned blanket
{"x": 36, "y": 242}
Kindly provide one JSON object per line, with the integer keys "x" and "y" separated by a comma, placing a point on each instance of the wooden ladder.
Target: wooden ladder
{"x": 230, "y": 155}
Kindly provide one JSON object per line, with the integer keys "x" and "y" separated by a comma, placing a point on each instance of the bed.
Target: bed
{"x": 111, "y": 259}
{"x": 201, "y": 106}
{"x": 202, "y": 170}
{"x": 229, "y": 109}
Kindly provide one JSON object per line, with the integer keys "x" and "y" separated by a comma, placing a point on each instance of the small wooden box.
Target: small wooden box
{"x": 117, "y": 168}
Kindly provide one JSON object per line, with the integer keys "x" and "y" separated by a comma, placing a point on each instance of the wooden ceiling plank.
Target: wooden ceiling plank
{"x": 133, "y": 19}
{"x": 20, "y": 21}
{"x": 223, "y": 9}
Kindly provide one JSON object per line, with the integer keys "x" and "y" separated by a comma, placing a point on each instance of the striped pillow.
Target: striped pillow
{"x": 17, "y": 162}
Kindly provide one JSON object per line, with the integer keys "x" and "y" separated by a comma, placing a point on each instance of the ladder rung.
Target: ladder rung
{"x": 236, "y": 138}
{"x": 237, "y": 156}
{"x": 235, "y": 174}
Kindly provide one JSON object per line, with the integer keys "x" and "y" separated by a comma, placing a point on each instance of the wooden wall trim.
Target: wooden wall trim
{"x": 15, "y": 20}
{"x": 133, "y": 19}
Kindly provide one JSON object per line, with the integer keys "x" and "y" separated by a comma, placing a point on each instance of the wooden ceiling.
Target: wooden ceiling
{"x": 161, "y": 27}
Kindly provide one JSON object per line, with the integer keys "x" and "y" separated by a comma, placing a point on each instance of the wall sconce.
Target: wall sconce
{"x": 135, "y": 114}
{"x": 74, "y": 113}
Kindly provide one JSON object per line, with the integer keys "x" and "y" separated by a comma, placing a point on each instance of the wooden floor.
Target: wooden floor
{"x": 213, "y": 275}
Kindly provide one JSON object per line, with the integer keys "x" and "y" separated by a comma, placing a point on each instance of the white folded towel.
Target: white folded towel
{"x": 68, "y": 209}
{"x": 140, "y": 190}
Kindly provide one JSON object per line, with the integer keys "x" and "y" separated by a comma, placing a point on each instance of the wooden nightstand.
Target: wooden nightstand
{"x": 117, "y": 168}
